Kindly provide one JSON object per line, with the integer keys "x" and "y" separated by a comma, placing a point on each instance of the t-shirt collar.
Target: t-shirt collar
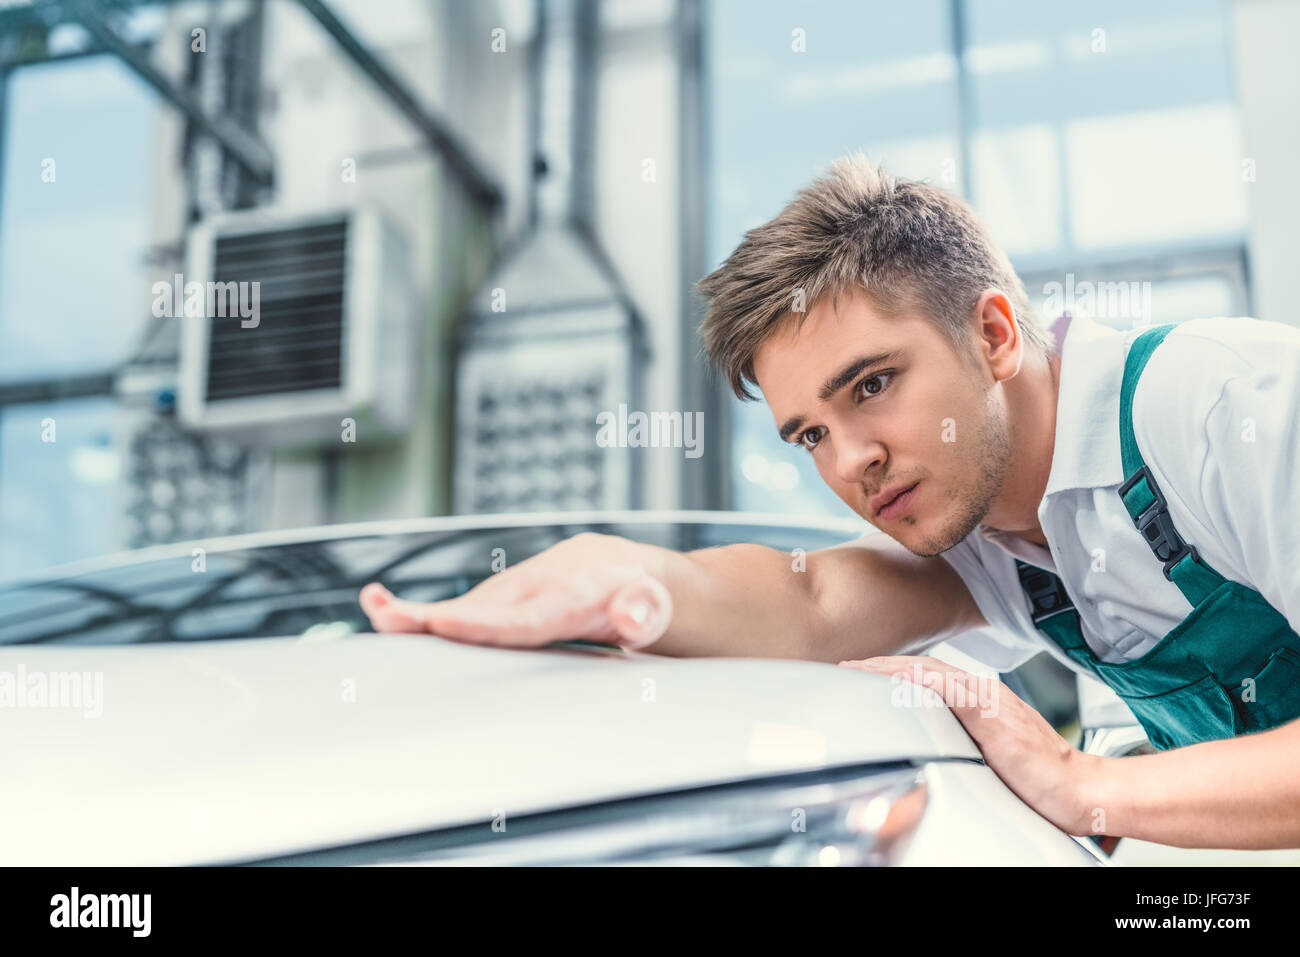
{"x": 1086, "y": 452}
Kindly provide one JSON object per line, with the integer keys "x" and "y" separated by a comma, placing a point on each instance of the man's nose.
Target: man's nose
{"x": 855, "y": 456}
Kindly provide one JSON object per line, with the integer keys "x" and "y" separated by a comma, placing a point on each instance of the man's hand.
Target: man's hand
{"x": 589, "y": 586}
{"x": 1240, "y": 792}
{"x": 1035, "y": 762}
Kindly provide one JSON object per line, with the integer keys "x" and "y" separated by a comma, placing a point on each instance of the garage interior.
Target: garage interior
{"x": 475, "y": 226}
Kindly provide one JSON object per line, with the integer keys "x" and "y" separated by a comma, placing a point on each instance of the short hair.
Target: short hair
{"x": 907, "y": 244}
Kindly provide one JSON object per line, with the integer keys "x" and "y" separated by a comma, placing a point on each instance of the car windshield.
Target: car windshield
{"x": 311, "y": 585}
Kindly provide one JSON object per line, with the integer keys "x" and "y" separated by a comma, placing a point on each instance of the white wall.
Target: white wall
{"x": 1268, "y": 90}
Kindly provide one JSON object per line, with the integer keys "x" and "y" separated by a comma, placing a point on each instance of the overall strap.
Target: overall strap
{"x": 1143, "y": 499}
{"x": 1051, "y": 609}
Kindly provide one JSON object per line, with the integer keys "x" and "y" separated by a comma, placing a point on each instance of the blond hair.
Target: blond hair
{"x": 909, "y": 245}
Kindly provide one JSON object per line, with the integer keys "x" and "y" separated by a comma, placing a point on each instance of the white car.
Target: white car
{"x": 219, "y": 703}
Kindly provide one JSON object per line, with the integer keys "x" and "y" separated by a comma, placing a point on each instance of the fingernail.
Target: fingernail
{"x": 639, "y": 612}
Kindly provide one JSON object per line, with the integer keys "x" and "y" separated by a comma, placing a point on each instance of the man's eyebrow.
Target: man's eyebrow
{"x": 851, "y": 371}
{"x": 839, "y": 380}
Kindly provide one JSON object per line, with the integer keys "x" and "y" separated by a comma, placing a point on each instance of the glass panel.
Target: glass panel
{"x": 1166, "y": 176}
{"x": 59, "y": 500}
{"x": 1017, "y": 181}
{"x": 77, "y": 190}
{"x": 1129, "y": 105}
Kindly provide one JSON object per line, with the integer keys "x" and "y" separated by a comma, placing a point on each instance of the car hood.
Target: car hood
{"x": 237, "y": 750}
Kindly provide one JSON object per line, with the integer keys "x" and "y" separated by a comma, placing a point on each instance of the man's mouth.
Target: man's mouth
{"x": 899, "y": 503}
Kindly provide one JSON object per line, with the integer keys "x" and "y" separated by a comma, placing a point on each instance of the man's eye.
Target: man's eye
{"x": 865, "y": 385}
{"x": 809, "y": 438}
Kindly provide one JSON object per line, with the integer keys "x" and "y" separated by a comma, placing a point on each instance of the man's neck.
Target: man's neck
{"x": 1032, "y": 396}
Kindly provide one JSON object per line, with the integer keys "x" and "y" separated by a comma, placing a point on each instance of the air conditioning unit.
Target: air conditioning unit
{"x": 294, "y": 329}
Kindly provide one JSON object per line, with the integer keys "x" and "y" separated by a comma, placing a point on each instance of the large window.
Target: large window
{"x": 1099, "y": 141}
{"x": 79, "y": 143}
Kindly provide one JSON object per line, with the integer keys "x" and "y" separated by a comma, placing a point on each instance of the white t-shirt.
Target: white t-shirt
{"x": 1216, "y": 415}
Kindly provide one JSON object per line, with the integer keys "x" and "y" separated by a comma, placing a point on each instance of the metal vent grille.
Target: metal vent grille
{"x": 297, "y": 345}
{"x": 534, "y": 447}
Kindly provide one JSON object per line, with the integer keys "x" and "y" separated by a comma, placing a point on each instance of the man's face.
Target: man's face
{"x": 919, "y": 414}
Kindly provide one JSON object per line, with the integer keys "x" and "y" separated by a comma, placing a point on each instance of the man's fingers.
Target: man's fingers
{"x": 959, "y": 689}
{"x": 388, "y": 612}
{"x": 904, "y": 663}
{"x": 528, "y": 623}
{"x": 634, "y": 615}
{"x": 469, "y": 616}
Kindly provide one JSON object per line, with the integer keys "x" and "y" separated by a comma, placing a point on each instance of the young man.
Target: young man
{"x": 1151, "y": 470}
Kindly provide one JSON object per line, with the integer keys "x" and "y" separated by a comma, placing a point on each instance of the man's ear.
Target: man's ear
{"x": 997, "y": 335}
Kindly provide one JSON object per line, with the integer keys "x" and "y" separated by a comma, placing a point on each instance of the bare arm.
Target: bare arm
{"x": 864, "y": 598}
{"x": 1239, "y": 792}
{"x": 857, "y": 600}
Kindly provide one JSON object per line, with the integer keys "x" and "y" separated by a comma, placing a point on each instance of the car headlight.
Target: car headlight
{"x": 832, "y": 817}
{"x": 869, "y": 829}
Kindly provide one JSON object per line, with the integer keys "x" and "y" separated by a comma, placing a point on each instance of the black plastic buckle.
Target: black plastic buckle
{"x": 1046, "y": 592}
{"x": 1157, "y": 526}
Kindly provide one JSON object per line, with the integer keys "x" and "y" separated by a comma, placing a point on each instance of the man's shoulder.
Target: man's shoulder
{"x": 1186, "y": 375}
{"x": 1205, "y": 390}
{"x": 1215, "y": 423}
{"x": 1220, "y": 347}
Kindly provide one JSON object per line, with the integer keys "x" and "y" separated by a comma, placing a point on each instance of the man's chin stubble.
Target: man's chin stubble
{"x": 972, "y": 514}
{"x": 995, "y": 442}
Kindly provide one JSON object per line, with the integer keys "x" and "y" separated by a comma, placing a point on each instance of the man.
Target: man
{"x": 1150, "y": 470}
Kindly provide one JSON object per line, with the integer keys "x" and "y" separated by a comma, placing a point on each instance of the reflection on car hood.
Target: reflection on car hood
{"x": 235, "y": 750}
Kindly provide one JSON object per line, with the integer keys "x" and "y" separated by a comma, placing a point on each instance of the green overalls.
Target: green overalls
{"x": 1230, "y": 667}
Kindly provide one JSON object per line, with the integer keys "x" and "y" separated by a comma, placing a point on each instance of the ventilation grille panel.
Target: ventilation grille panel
{"x": 297, "y": 345}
